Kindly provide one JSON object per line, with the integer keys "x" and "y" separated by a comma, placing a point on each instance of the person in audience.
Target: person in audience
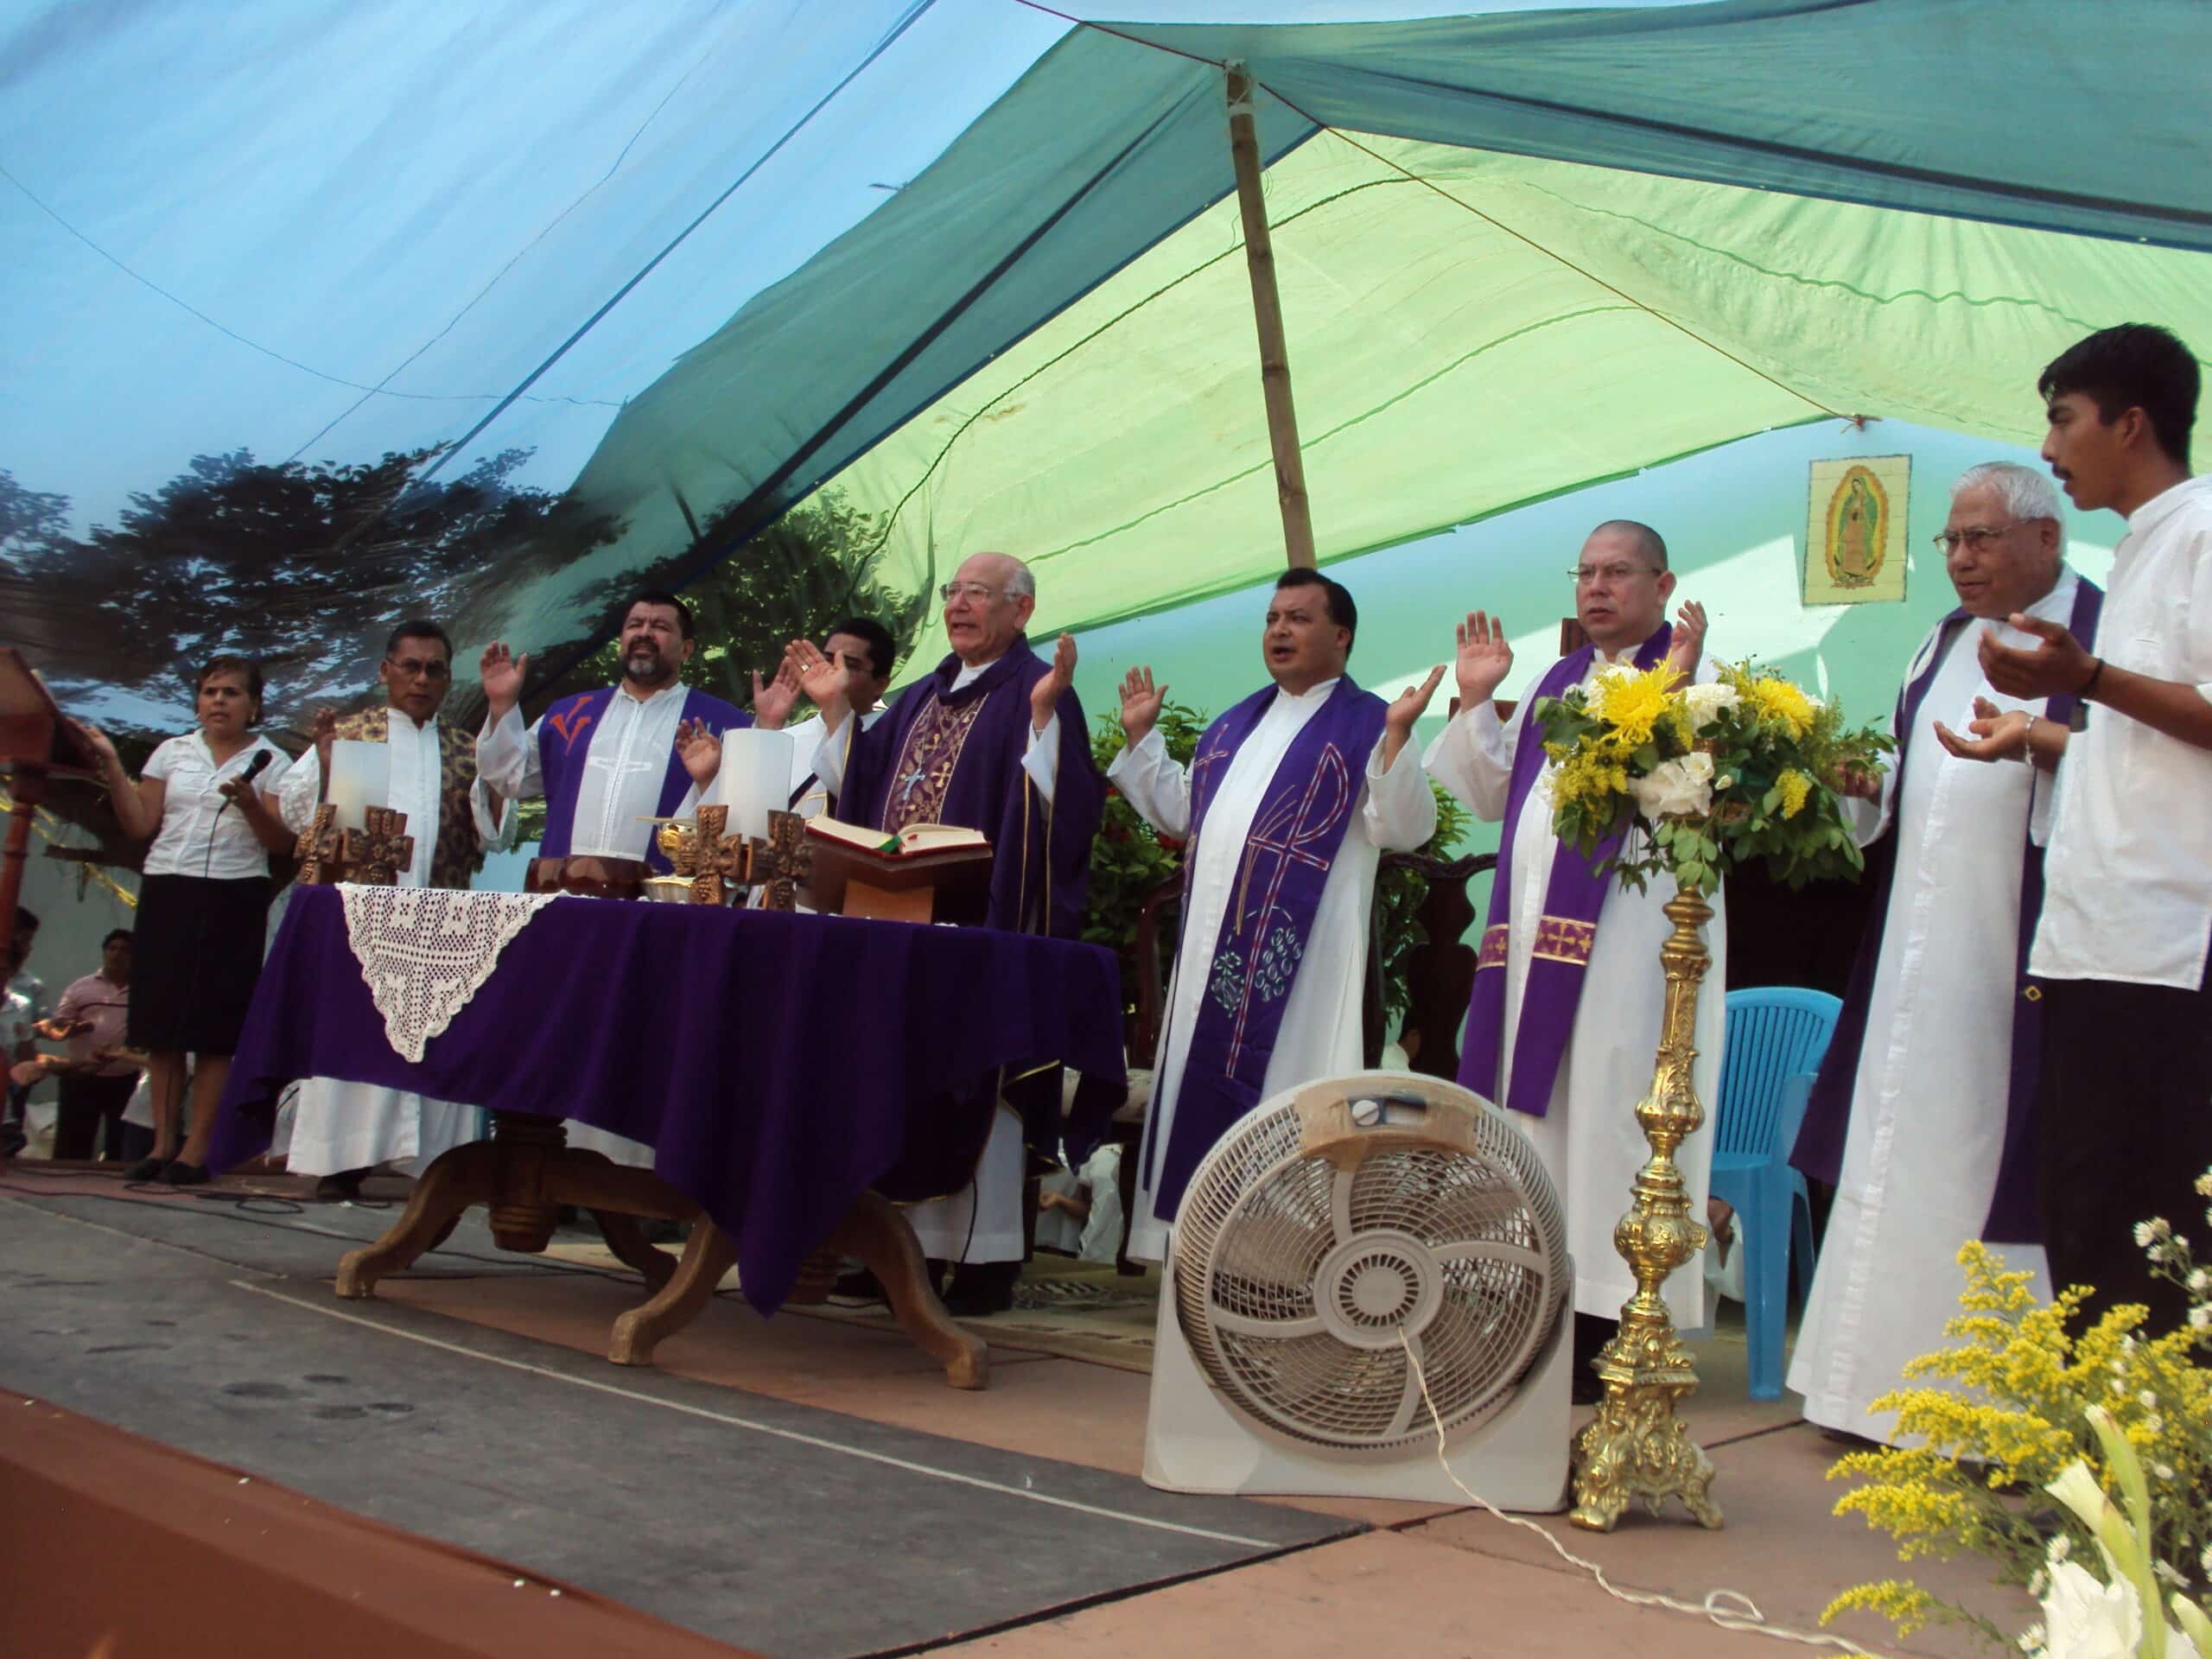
{"x": 95, "y": 1079}
{"x": 1294, "y": 794}
{"x": 207, "y": 800}
{"x": 2122, "y": 1132}
{"x": 342, "y": 1130}
{"x": 1920, "y": 1119}
{"x": 1567, "y": 1002}
{"x": 21, "y": 981}
{"x": 992, "y": 740}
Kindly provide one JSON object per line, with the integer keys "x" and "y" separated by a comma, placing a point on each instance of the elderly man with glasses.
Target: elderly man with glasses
{"x": 1564, "y": 940}
{"x": 341, "y": 1130}
{"x": 993, "y": 739}
{"x": 1921, "y": 1117}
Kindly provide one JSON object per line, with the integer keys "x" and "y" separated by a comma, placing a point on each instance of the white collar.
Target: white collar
{"x": 2162, "y": 505}
{"x": 1314, "y": 694}
{"x": 622, "y": 691}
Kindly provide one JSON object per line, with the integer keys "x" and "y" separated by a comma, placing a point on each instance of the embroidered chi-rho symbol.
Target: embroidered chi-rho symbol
{"x": 570, "y": 723}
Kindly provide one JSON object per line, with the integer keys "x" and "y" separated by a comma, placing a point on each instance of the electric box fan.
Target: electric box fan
{"x": 1337, "y": 1234}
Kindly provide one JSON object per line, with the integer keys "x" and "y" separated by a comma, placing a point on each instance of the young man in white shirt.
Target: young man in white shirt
{"x": 2124, "y": 1108}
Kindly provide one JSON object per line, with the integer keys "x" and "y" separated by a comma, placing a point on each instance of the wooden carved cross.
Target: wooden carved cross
{"x": 375, "y": 855}
{"x": 684, "y": 844}
{"x": 320, "y": 850}
{"x": 782, "y": 861}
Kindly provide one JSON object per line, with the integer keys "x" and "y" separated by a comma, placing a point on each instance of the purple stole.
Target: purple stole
{"x": 564, "y": 738}
{"x": 2012, "y": 1218}
{"x": 1568, "y": 929}
{"x": 1292, "y": 846}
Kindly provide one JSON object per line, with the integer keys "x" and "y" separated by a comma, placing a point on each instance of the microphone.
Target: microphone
{"x": 254, "y": 768}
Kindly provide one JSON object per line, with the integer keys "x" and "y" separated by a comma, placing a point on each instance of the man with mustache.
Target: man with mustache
{"x": 993, "y": 740}
{"x": 2122, "y": 1132}
{"x": 608, "y": 762}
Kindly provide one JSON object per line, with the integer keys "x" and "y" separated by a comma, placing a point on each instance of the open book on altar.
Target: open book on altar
{"x": 925, "y": 872}
{"x": 915, "y": 838}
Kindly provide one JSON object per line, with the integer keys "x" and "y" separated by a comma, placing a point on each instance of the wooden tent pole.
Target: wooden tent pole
{"x": 1267, "y": 313}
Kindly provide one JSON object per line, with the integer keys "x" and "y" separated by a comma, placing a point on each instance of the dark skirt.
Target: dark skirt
{"x": 196, "y": 956}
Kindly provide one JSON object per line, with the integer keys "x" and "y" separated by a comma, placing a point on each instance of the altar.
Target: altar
{"x": 799, "y": 1077}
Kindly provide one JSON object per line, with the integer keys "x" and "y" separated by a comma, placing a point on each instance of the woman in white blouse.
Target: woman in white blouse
{"x": 209, "y": 801}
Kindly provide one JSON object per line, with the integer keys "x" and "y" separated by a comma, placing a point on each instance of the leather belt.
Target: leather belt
{"x": 589, "y": 877}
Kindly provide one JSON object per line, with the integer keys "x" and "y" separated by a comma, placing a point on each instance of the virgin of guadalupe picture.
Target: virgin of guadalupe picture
{"x": 1854, "y": 530}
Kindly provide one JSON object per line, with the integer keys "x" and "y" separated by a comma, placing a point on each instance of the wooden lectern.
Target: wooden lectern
{"x": 952, "y": 885}
{"x": 35, "y": 745}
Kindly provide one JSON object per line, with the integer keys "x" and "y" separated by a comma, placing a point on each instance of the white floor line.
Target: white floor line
{"x": 792, "y": 1435}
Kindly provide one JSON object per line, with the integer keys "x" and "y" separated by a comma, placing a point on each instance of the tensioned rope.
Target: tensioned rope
{"x": 1490, "y": 219}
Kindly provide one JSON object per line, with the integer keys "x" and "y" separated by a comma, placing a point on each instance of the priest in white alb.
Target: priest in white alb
{"x": 1289, "y": 803}
{"x": 1921, "y": 1117}
{"x": 864, "y": 647}
{"x": 1564, "y": 1019}
{"x": 608, "y": 762}
{"x": 342, "y": 1130}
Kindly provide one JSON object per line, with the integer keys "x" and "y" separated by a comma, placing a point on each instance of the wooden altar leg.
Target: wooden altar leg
{"x": 461, "y": 1177}
{"x": 630, "y": 1247}
{"x": 709, "y": 1253}
{"x": 877, "y": 1232}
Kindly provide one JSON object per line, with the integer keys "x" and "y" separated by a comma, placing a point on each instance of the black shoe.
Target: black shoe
{"x": 180, "y": 1174}
{"x": 342, "y": 1188}
{"x": 147, "y": 1169}
{"x": 980, "y": 1290}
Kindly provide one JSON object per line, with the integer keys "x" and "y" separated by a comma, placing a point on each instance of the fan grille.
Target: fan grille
{"x": 1295, "y": 1279}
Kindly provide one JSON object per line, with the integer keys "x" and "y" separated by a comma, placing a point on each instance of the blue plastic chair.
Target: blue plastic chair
{"x": 1777, "y": 1035}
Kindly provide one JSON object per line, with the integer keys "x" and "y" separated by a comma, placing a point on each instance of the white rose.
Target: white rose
{"x": 1705, "y": 703}
{"x": 1676, "y": 788}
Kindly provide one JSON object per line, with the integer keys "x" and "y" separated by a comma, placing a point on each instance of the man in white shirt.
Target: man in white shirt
{"x": 864, "y": 648}
{"x": 1288, "y": 804}
{"x": 342, "y": 1130}
{"x": 1921, "y": 1118}
{"x": 607, "y": 763}
{"x": 1563, "y": 941}
{"x": 2124, "y": 1106}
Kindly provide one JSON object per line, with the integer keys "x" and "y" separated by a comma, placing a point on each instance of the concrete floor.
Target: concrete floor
{"x": 759, "y": 1482}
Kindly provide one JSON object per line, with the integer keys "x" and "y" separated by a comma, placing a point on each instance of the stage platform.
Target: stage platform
{"x": 803, "y": 1486}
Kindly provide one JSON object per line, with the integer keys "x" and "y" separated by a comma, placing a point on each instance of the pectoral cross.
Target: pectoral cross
{"x": 376, "y": 855}
{"x": 911, "y": 782}
{"x": 783, "y": 861}
{"x": 320, "y": 850}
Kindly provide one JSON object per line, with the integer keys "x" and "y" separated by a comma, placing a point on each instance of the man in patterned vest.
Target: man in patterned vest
{"x": 342, "y": 1130}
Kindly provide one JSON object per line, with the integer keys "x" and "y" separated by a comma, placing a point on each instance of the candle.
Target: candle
{"x": 361, "y": 777}
{"x": 755, "y": 779}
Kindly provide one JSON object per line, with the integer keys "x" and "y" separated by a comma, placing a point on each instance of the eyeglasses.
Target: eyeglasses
{"x": 411, "y": 668}
{"x": 1589, "y": 575}
{"x": 1976, "y": 537}
{"x": 974, "y": 590}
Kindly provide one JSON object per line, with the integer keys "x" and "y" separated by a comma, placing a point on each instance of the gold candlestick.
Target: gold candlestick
{"x": 1637, "y": 1447}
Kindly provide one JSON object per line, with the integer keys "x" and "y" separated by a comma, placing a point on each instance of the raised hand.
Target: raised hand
{"x": 1483, "y": 660}
{"x": 1999, "y": 733}
{"x": 1857, "y": 782}
{"x": 700, "y": 748}
{"x": 326, "y": 734}
{"x": 825, "y": 681}
{"x": 1045, "y": 696}
{"x": 501, "y": 672}
{"x": 1405, "y": 709}
{"x": 1686, "y": 650}
{"x": 1140, "y": 704}
{"x": 772, "y": 703}
{"x": 2060, "y": 663}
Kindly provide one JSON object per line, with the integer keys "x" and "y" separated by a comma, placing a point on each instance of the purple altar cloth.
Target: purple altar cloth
{"x": 779, "y": 1065}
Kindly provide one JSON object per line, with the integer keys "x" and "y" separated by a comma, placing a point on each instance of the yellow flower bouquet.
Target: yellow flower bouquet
{"x": 1723, "y": 772}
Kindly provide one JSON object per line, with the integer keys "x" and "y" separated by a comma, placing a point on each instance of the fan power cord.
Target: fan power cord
{"x": 1732, "y": 1610}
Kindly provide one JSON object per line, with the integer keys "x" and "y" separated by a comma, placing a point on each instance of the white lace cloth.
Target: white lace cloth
{"x": 425, "y": 951}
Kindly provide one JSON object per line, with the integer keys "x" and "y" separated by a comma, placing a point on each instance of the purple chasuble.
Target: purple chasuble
{"x": 941, "y": 756}
{"x": 2012, "y": 1218}
{"x": 1288, "y": 852}
{"x": 1564, "y": 935}
{"x": 564, "y": 737}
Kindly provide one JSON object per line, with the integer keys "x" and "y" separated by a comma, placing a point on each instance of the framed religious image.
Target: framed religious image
{"x": 1855, "y": 522}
